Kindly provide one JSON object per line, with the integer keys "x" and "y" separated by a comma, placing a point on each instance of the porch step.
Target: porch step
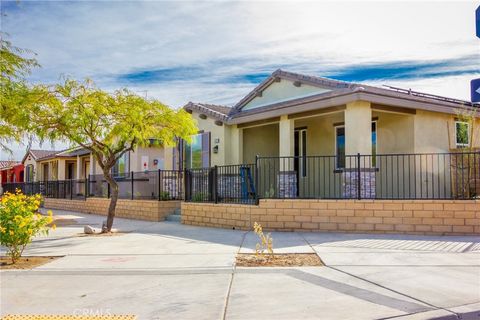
{"x": 175, "y": 216}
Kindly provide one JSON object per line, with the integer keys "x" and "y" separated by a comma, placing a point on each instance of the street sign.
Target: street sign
{"x": 477, "y": 21}
{"x": 475, "y": 90}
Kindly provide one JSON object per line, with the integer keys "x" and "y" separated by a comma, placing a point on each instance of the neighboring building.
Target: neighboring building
{"x": 78, "y": 163}
{"x": 11, "y": 171}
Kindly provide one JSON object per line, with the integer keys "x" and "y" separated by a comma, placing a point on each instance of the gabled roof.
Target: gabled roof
{"x": 216, "y": 111}
{"x": 7, "y": 164}
{"x": 38, "y": 154}
{"x": 341, "y": 93}
{"x": 281, "y": 74}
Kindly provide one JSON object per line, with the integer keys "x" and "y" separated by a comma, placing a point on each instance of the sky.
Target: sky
{"x": 217, "y": 51}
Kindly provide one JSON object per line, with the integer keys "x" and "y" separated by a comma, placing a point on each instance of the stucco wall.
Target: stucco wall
{"x": 263, "y": 140}
{"x": 282, "y": 91}
{"x": 156, "y": 152}
{"x": 435, "y": 132}
{"x": 436, "y": 217}
{"x": 132, "y": 209}
{"x": 35, "y": 169}
{"x": 217, "y": 132}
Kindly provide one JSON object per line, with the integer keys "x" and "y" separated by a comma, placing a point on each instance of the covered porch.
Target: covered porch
{"x": 356, "y": 150}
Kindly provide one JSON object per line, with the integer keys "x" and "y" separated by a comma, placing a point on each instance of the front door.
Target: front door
{"x": 45, "y": 172}
{"x": 300, "y": 149}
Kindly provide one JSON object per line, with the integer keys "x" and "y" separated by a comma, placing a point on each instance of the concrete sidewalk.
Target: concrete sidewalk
{"x": 167, "y": 270}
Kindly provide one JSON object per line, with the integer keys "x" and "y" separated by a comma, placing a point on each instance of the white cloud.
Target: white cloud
{"x": 103, "y": 40}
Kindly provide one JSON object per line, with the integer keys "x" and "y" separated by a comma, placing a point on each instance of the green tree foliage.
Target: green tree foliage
{"x": 107, "y": 124}
{"x": 14, "y": 91}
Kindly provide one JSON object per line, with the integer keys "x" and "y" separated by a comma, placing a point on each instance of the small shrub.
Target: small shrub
{"x": 20, "y": 222}
{"x": 199, "y": 197}
{"x": 270, "y": 193}
{"x": 266, "y": 241}
{"x": 164, "y": 195}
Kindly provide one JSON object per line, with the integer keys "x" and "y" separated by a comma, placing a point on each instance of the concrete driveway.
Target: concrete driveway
{"x": 166, "y": 270}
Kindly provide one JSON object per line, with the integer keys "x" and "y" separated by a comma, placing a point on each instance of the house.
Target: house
{"x": 11, "y": 171}
{"x": 79, "y": 163}
{"x": 309, "y": 132}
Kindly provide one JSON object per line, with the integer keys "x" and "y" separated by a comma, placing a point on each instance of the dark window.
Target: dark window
{"x": 340, "y": 146}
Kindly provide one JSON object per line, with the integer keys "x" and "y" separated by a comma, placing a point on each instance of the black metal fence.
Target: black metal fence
{"x": 387, "y": 176}
{"x": 151, "y": 185}
{"x": 221, "y": 184}
{"x": 381, "y": 176}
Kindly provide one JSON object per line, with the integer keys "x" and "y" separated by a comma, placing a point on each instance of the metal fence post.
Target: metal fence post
{"x": 131, "y": 176}
{"x": 256, "y": 180}
{"x": 71, "y": 189}
{"x": 215, "y": 183}
{"x": 159, "y": 184}
{"x": 359, "y": 183}
{"x": 86, "y": 187}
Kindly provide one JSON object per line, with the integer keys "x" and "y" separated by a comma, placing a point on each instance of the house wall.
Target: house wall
{"x": 30, "y": 161}
{"x": 435, "y": 217}
{"x": 435, "y": 132}
{"x": 262, "y": 140}
{"x": 282, "y": 91}
{"x": 217, "y": 132}
{"x": 154, "y": 152}
{"x": 395, "y": 133}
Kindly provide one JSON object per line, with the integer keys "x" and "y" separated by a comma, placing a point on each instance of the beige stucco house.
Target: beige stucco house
{"x": 79, "y": 163}
{"x": 298, "y": 116}
{"x": 264, "y": 122}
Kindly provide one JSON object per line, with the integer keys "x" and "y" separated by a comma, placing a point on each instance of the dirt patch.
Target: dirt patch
{"x": 24, "y": 262}
{"x": 279, "y": 260}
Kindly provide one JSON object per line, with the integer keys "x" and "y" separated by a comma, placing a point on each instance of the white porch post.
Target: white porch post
{"x": 92, "y": 164}
{"x": 359, "y": 178}
{"x": 236, "y": 145}
{"x": 79, "y": 168}
{"x": 286, "y": 141}
{"x": 358, "y": 128}
{"x": 287, "y": 178}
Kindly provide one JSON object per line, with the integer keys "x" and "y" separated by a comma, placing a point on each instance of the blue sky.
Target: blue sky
{"x": 217, "y": 51}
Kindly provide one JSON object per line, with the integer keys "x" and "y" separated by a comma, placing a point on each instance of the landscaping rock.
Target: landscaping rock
{"x": 89, "y": 230}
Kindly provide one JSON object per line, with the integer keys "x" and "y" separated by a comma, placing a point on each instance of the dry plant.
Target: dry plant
{"x": 266, "y": 241}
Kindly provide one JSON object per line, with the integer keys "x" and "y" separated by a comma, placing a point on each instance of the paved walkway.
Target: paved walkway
{"x": 167, "y": 270}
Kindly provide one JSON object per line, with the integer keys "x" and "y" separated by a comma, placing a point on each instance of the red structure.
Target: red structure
{"x": 11, "y": 171}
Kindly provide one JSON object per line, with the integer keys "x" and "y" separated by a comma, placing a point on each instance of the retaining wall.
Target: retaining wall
{"x": 151, "y": 210}
{"x": 432, "y": 217}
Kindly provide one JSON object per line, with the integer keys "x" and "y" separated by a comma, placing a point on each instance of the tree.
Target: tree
{"x": 106, "y": 124}
{"x": 14, "y": 91}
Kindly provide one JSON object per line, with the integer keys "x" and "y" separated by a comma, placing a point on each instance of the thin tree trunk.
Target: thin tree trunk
{"x": 113, "y": 201}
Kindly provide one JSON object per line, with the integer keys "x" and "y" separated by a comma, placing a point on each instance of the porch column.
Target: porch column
{"x": 61, "y": 169}
{"x": 79, "y": 168}
{"x": 287, "y": 178}
{"x": 358, "y": 180}
{"x": 92, "y": 165}
{"x": 236, "y": 145}
{"x": 286, "y": 136}
{"x": 358, "y": 128}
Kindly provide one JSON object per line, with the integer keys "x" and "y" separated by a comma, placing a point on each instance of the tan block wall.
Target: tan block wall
{"x": 432, "y": 217}
{"x": 150, "y": 210}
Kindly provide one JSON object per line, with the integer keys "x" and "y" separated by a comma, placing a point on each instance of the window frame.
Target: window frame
{"x": 462, "y": 145}
{"x": 336, "y": 146}
{"x": 336, "y": 127}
